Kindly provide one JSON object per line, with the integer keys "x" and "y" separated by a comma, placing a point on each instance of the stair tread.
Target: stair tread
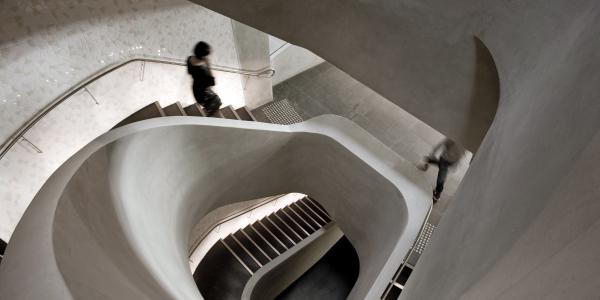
{"x": 256, "y": 251}
{"x": 229, "y": 113}
{"x": 239, "y": 252}
{"x": 194, "y": 110}
{"x": 174, "y": 109}
{"x": 152, "y": 110}
{"x": 245, "y": 114}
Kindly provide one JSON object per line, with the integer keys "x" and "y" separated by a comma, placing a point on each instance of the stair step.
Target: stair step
{"x": 220, "y": 274}
{"x": 295, "y": 236}
{"x": 309, "y": 208}
{"x": 237, "y": 250}
{"x": 260, "y": 116}
{"x": 275, "y": 240}
{"x": 276, "y": 230}
{"x": 262, "y": 242}
{"x": 152, "y": 110}
{"x": 300, "y": 219}
{"x": 252, "y": 247}
{"x": 317, "y": 208}
{"x": 174, "y": 109}
{"x": 296, "y": 207}
{"x": 195, "y": 110}
{"x": 245, "y": 114}
{"x": 293, "y": 223}
{"x": 229, "y": 113}
{"x": 218, "y": 114}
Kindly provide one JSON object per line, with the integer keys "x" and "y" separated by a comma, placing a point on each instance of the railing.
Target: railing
{"x": 198, "y": 240}
{"x": 82, "y": 85}
{"x": 408, "y": 255}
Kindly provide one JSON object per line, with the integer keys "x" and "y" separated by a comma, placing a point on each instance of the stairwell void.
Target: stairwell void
{"x": 115, "y": 219}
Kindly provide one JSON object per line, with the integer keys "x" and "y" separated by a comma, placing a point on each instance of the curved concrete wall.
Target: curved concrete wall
{"x": 79, "y": 120}
{"x": 420, "y": 55}
{"x": 114, "y": 221}
{"x": 524, "y": 223}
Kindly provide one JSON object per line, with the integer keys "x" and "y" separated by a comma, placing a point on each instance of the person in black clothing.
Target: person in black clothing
{"x": 445, "y": 156}
{"x": 199, "y": 67}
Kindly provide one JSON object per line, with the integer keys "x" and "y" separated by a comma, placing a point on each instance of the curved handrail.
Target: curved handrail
{"x": 13, "y": 139}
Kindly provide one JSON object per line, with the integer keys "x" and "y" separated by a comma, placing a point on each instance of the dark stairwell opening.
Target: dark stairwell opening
{"x": 331, "y": 278}
{"x": 294, "y": 252}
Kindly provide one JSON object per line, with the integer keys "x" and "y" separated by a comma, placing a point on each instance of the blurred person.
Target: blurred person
{"x": 445, "y": 155}
{"x": 198, "y": 67}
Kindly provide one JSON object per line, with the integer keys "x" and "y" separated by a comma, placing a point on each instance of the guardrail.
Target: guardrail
{"x": 82, "y": 85}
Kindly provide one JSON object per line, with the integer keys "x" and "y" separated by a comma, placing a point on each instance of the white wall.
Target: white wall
{"x": 291, "y": 60}
{"x": 79, "y": 120}
{"x": 46, "y": 47}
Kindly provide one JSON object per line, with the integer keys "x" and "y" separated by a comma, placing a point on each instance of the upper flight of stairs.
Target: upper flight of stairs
{"x": 224, "y": 271}
{"x": 154, "y": 110}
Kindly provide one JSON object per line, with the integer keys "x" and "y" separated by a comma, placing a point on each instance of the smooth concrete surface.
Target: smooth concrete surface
{"x": 252, "y": 47}
{"x": 115, "y": 219}
{"x": 420, "y": 55}
{"x": 326, "y": 89}
{"x": 291, "y": 60}
{"x": 274, "y": 277}
{"x": 524, "y": 221}
{"x": 79, "y": 120}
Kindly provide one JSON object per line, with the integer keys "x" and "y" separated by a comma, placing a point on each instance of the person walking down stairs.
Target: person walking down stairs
{"x": 450, "y": 153}
{"x": 199, "y": 67}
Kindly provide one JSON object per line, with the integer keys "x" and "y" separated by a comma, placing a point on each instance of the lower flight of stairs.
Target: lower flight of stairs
{"x": 224, "y": 271}
{"x": 155, "y": 110}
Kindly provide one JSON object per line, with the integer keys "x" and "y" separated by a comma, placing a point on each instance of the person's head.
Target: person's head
{"x": 202, "y": 49}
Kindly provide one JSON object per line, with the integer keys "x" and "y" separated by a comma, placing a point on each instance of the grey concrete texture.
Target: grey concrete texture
{"x": 420, "y": 55}
{"x": 325, "y": 89}
{"x": 524, "y": 221}
{"x": 252, "y": 47}
{"x": 114, "y": 221}
{"x": 272, "y": 279}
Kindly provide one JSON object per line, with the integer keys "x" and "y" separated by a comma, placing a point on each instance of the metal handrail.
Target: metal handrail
{"x": 408, "y": 255}
{"x": 266, "y": 72}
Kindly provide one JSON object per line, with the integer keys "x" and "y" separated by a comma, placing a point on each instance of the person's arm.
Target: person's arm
{"x": 211, "y": 78}
{"x": 189, "y": 65}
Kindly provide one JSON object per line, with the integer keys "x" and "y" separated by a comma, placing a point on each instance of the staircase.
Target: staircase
{"x": 155, "y": 110}
{"x": 228, "y": 265}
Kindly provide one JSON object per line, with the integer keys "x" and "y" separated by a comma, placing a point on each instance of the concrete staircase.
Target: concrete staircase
{"x": 228, "y": 265}
{"x": 155, "y": 110}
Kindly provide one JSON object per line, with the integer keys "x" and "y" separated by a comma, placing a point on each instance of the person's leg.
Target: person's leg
{"x": 199, "y": 95}
{"x": 441, "y": 179}
{"x": 432, "y": 160}
{"x": 427, "y": 160}
{"x": 213, "y": 104}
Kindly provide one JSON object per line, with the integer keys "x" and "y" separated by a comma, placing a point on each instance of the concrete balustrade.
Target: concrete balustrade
{"x": 115, "y": 220}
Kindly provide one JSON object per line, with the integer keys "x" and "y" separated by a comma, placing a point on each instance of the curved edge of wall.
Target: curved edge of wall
{"x": 280, "y": 273}
{"x": 30, "y": 268}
